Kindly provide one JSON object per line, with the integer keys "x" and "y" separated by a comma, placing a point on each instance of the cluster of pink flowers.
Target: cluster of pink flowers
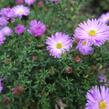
{"x": 92, "y": 32}
{"x": 87, "y": 35}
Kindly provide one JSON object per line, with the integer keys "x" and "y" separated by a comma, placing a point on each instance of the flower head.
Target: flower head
{"x": 7, "y": 31}
{"x": 98, "y": 98}
{"x": 19, "y": 29}
{"x": 58, "y": 44}
{"x": 21, "y": 10}
{"x": 104, "y": 18}
{"x": 29, "y": 2}
{"x": 85, "y": 47}
{"x": 37, "y": 28}
{"x": 3, "y": 21}
{"x": 7, "y": 12}
{"x": 94, "y": 31}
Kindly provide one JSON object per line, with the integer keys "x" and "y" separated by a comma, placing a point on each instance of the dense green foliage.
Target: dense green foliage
{"x": 25, "y": 61}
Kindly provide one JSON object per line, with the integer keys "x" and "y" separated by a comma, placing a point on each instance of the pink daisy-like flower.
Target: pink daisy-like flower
{"x": 104, "y": 18}
{"x": 29, "y": 2}
{"x": 85, "y": 47}
{"x": 58, "y": 44}
{"x": 2, "y": 38}
{"x": 7, "y": 12}
{"x": 19, "y": 29}
{"x": 36, "y": 28}
{"x": 21, "y": 10}
{"x": 98, "y": 98}
{"x": 94, "y": 31}
{"x": 7, "y": 31}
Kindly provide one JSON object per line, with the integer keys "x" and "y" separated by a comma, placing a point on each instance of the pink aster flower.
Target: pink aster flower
{"x": 29, "y": 2}
{"x": 19, "y": 29}
{"x": 98, "y": 98}
{"x": 58, "y": 44}
{"x": 94, "y": 31}
{"x": 7, "y": 31}
{"x": 2, "y": 38}
{"x": 3, "y": 21}
{"x": 7, "y": 12}
{"x": 104, "y": 18}
{"x": 37, "y": 28}
{"x": 21, "y": 10}
{"x": 85, "y": 47}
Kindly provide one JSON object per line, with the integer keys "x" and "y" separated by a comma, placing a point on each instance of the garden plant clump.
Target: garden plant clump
{"x": 54, "y": 54}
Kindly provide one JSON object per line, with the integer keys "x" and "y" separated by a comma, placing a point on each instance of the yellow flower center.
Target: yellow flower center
{"x": 20, "y": 12}
{"x": 102, "y": 105}
{"x": 92, "y": 32}
{"x": 59, "y": 45}
{"x": 84, "y": 42}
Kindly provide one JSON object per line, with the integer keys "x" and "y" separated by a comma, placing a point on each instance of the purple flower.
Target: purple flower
{"x": 7, "y": 31}
{"x": 36, "y": 28}
{"x": 94, "y": 31}
{"x": 58, "y": 44}
{"x": 1, "y": 85}
{"x": 102, "y": 77}
{"x": 3, "y": 22}
{"x": 104, "y": 18}
{"x": 19, "y": 29}
{"x": 29, "y": 2}
{"x": 85, "y": 47}
{"x": 2, "y": 38}
{"x": 7, "y": 12}
{"x": 21, "y": 10}
{"x": 98, "y": 98}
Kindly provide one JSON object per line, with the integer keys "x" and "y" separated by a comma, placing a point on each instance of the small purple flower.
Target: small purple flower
{"x": 102, "y": 77}
{"x": 19, "y": 29}
{"x": 91, "y": 30}
{"x": 3, "y": 21}
{"x": 104, "y": 18}
{"x": 98, "y": 98}
{"x": 8, "y": 13}
{"x": 29, "y": 2}
{"x": 7, "y": 31}
{"x": 21, "y": 10}
{"x": 36, "y": 28}
{"x": 1, "y": 85}
{"x": 2, "y": 38}
{"x": 58, "y": 44}
{"x": 85, "y": 47}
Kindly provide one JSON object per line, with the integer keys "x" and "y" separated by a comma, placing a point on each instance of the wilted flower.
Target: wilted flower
{"x": 19, "y": 1}
{"x": 3, "y": 21}
{"x": 37, "y": 28}
{"x": 77, "y": 58}
{"x": 55, "y": 1}
{"x": 102, "y": 77}
{"x": 40, "y": 4}
{"x": 91, "y": 30}
{"x": 18, "y": 90}
{"x": 19, "y": 29}
{"x": 98, "y": 98}
{"x": 85, "y": 47}
{"x": 7, "y": 31}
{"x": 6, "y": 100}
{"x": 21, "y": 10}
{"x": 58, "y": 44}
{"x": 104, "y": 18}
{"x": 69, "y": 69}
{"x": 29, "y": 2}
